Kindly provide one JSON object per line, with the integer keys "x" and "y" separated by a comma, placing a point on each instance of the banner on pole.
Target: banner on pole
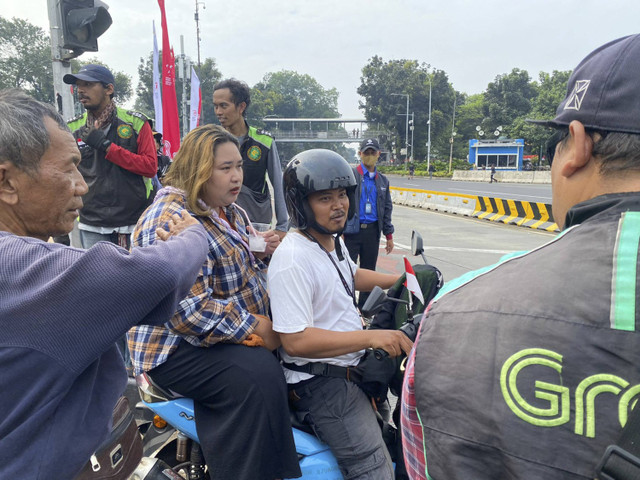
{"x": 157, "y": 95}
{"x": 170, "y": 119}
{"x": 196, "y": 101}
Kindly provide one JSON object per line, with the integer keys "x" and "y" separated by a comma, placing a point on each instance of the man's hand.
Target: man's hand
{"x": 176, "y": 225}
{"x": 394, "y": 342}
{"x": 389, "y": 247}
{"x": 96, "y": 139}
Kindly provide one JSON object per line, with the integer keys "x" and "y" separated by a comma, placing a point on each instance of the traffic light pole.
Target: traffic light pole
{"x": 61, "y": 65}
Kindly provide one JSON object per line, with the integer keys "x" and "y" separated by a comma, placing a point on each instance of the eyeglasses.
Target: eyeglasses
{"x": 553, "y": 142}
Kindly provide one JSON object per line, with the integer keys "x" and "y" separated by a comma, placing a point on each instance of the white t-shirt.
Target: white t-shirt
{"x": 306, "y": 291}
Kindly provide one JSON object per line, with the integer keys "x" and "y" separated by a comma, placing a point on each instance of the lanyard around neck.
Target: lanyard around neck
{"x": 351, "y": 291}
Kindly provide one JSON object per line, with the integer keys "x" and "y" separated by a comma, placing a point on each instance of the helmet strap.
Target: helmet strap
{"x": 311, "y": 223}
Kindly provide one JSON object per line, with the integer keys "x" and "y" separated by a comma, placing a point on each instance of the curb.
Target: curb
{"x": 522, "y": 213}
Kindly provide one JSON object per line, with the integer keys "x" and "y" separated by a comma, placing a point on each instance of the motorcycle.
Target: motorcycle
{"x": 168, "y": 424}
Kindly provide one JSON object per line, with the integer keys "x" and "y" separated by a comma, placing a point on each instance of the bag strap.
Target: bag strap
{"x": 621, "y": 461}
{"x": 326, "y": 370}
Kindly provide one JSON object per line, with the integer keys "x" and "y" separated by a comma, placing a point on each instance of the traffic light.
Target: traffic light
{"x": 83, "y": 21}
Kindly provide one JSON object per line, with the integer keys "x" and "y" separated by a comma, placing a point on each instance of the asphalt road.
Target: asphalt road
{"x": 454, "y": 244}
{"x": 512, "y": 191}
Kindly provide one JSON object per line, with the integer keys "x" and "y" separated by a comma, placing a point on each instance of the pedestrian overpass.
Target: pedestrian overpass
{"x": 322, "y": 130}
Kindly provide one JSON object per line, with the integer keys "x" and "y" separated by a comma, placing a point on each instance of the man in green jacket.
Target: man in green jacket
{"x": 231, "y": 98}
{"x": 118, "y": 159}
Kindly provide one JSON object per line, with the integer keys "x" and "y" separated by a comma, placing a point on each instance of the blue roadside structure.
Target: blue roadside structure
{"x": 504, "y": 154}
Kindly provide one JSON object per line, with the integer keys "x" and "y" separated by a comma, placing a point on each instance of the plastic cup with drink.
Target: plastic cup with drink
{"x": 257, "y": 243}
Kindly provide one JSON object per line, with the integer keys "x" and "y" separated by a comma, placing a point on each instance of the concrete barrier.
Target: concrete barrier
{"x": 516, "y": 212}
{"x": 513, "y": 212}
{"x": 445, "y": 202}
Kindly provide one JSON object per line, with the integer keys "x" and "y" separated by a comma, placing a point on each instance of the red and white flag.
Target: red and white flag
{"x": 170, "y": 119}
{"x": 411, "y": 281}
{"x": 196, "y": 101}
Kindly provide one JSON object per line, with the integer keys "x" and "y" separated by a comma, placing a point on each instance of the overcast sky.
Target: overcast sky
{"x": 331, "y": 40}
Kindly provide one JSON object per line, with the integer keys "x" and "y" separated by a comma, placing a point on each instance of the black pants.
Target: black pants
{"x": 364, "y": 246}
{"x": 241, "y": 409}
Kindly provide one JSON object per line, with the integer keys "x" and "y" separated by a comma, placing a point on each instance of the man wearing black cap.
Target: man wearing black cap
{"x": 118, "y": 162}
{"x": 373, "y": 211}
{"x": 118, "y": 159}
{"x": 538, "y": 385}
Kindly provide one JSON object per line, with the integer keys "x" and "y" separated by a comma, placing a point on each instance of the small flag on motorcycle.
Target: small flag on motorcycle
{"x": 411, "y": 281}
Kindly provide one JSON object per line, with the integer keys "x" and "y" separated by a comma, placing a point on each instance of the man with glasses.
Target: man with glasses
{"x": 537, "y": 386}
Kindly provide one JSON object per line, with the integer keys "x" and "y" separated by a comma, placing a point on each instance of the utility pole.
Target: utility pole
{"x": 61, "y": 65}
{"x": 406, "y": 132}
{"x": 453, "y": 133}
{"x": 429, "y": 130}
{"x": 197, "y": 18}
{"x": 406, "y": 128}
{"x": 75, "y": 27}
{"x": 412, "y": 127}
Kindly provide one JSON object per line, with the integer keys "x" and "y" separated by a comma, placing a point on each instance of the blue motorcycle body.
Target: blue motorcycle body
{"x": 316, "y": 460}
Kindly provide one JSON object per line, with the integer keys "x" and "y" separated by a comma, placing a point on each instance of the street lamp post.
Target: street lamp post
{"x": 406, "y": 128}
{"x": 429, "y": 129}
{"x": 453, "y": 133}
{"x": 197, "y": 18}
{"x": 411, "y": 127}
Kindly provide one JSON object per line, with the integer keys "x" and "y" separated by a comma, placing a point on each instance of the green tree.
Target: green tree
{"x": 25, "y": 59}
{"x": 381, "y": 82}
{"x": 25, "y": 62}
{"x": 507, "y": 98}
{"x": 290, "y": 94}
{"x": 469, "y": 114}
{"x": 552, "y": 89}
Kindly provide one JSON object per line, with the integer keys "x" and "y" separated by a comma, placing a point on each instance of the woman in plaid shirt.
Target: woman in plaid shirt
{"x": 212, "y": 348}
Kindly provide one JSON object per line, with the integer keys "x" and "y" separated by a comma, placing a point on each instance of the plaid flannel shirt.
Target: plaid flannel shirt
{"x": 412, "y": 440}
{"x": 226, "y": 294}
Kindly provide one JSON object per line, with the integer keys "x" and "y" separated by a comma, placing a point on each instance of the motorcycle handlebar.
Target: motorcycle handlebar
{"x": 409, "y": 329}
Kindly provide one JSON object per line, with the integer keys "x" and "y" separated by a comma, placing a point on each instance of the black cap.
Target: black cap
{"x": 91, "y": 73}
{"x": 603, "y": 92}
{"x": 370, "y": 143}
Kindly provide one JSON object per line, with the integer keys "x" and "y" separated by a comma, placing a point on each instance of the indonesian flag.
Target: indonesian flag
{"x": 170, "y": 119}
{"x": 196, "y": 101}
{"x": 411, "y": 281}
{"x": 157, "y": 96}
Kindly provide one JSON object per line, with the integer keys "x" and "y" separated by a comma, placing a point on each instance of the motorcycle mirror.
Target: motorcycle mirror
{"x": 416, "y": 243}
{"x": 374, "y": 302}
{"x": 417, "y": 247}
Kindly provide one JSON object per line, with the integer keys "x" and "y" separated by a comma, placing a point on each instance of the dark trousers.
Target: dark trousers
{"x": 341, "y": 415}
{"x": 364, "y": 246}
{"x": 241, "y": 409}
